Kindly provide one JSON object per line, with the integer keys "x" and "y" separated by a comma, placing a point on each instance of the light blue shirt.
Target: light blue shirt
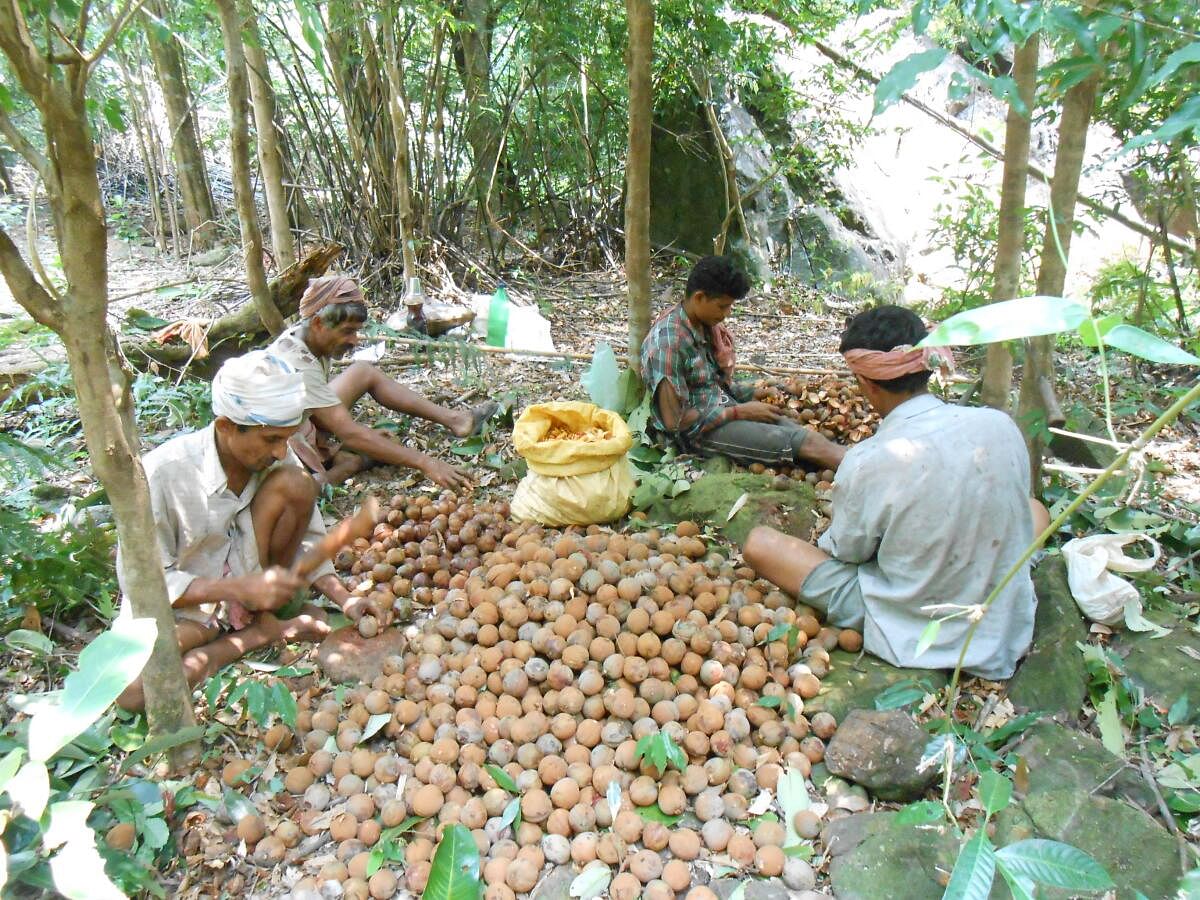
{"x": 935, "y": 509}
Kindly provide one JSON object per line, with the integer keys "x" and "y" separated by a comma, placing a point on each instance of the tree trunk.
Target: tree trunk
{"x": 640, "y": 14}
{"x": 270, "y": 156}
{"x": 239, "y": 146}
{"x": 1010, "y": 242}
{"x": 1037, "y": 380}
{"x": 199, "y": 212}
{"x": 397, "y": 109}
{"x": 102, "y": 386}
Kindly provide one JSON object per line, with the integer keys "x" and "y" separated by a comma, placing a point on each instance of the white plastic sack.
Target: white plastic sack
{"x": 528, "y": 329}
{"x": 1102, "y": 596}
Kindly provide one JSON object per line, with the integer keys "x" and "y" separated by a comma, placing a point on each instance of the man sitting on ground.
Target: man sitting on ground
{"x": 688, "y": 364}
{"x": 332, "y": 312}
{"x": 234, "y": 511}
{"x": 928, "y": 516}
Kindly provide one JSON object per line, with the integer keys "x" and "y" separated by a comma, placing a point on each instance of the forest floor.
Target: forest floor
{"x": 784, "y": 326}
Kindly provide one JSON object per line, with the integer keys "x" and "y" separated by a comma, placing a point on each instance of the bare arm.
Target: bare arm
{"x": 374, "y": 444}
{"x": 671, "y": 409}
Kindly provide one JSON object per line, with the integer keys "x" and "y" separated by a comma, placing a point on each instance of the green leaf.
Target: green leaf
{"x": 1148, "y": 346}
{"x": 592, "y": 881}
{"x": 1109, "y": 722}
{"x": 256, "y": 702}
{"x": 923, "y": 812}
{"x": 1008, "y": 320}
{"x": 1022, "y": 888}
{"x": 78, "y": 867}
{"x": 470, "y": 447}
{"x": 30, "y": 788}
{"x": 115, "y": 114}
{"x": 778, "y": 631}
{"x": 769, "y": 702}
{"x": 602, "y": 378}
{"x": 655, "y": 814}
{"x": 155, "y": 833}
{"x": 899, "y": 695}
{"x": 106, "y": 667}
{"x": 1178, "y": 713}
{"x": 995, "y": 791}
{"x": 1182, "y": 57}
{"x": 511, "y": 812}
{"x": 1054, "y": 864}
{"x": 162, "y": 744}
{"x": 792, "y": 791}
{"x": 1183, "y": 120}
{"x": 974, "y": 871}
{"x": 455, "y": 871}
{"x": 503, "y": 779}
{"x": 29, "y": 641}
{"x": 284, "y": 703}
{"x": 374, "y": 724}
{"x": 9, "y": 765}
{"x": 1091, "y": 327}
{"x": 661, "y": 751}
{"x": 904, "y": 74}
{"x": 929, "y": 634}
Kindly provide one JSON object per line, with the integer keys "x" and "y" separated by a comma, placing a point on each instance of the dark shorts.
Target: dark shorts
{"x": 832, "y": 588}
{"x": 772, "y": 444}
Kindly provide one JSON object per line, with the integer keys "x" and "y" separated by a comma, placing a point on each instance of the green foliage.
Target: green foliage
{"x": 455, "y": 871}
{"x": 660, "y": 751}
{"x": 252, "y": 695}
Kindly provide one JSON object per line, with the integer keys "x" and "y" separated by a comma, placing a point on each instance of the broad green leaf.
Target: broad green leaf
{"x": 602, "y": 378}
{"x": 1054, "y": 864}
{"x": 1022, "y": 888}
{"x": 283, "y": 703}
{"x": 769, "y": 702}
{"x": 1109, "y": 722}
{"x": 929, "y": 634}
{"x": 655, "y": 814}
{"x": 374, "y": 724}
{"x": 974, "y": 871}
{"x": 30, "y": 788}
{"x": 1189, "y": 885}
{"x": 455, "y": 871}
{"x": 1187, "y": 803}
{"x": 162, "y": 744}
{"x": 592, "y": 881}
{"x": 1183, "y": 120}
{"x": 1184, "y": 56}
{"x": 107, "y": 666}
{"x": 923, "y": 812}
{"x": 793, "y": 798}
{"x": 1178, "y": 713}
{"x": 509, "y": 816}
{"x": 68, "y": 822}
{"x": 78, "y": 869}
{"x": 995, "y": 791}
{"x": 904, "y": 74}
{"x": 1008, "y": 320}
{"x": 29, "y": 641}
{"x": 155, "y": 833}
{"x": 502, "y": 778}
{"x": 661, "y": 751}
{"x": 1092, "y": 329}
{"x": 256, "y": 702}
{"x": 899, "y": 695}
{"x": 1148, "y": 346}
{"x": 778, "y": 631}
{"x": 9, "y": 765}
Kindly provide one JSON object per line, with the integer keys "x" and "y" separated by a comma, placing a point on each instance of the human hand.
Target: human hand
{"x": 267, "y": 590}
{"x": 446, "y": 475}
{"x": 757, "y": 411}
{"x": 358, "y": 606}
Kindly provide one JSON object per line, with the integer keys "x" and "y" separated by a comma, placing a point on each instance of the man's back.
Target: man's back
{"x": 935, "y": 507}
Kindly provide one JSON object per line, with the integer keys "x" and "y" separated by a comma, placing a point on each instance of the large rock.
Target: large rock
{"x": 881, "y": 749}
{"x": 781, "y": 503}
{"x": 1059, "y": 758}
{"x": 892, "y": 861}
{"x": 756, "y": 889}
{"x": 1165, "y": 668}
{"x": 1138, "y": 853}
{"x": 555, "y": 884}
{"x": 1052, "y": 678}
{"x": 853, "y": 682}
{"x": 348, "y": 657}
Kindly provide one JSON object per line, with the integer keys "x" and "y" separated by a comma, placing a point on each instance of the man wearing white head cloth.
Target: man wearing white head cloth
{"x": 234, "y": 510}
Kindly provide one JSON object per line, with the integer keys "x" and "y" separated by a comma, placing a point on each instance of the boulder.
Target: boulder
{"x": 880, "y": 750}
{"x": 781, "y": 503}
{"x": 1052, "y": 678}
{"x": 1059, "y": 758}
{"x": 555, "y": 885}
{"x": 1138, "y": 853}
{"x": 854, "y": 683}
{"x": 756, "y": 889}
{"x": 893, "y": 861}
{"x": 1165, "y": 668}
{"x": 348, "y": 657}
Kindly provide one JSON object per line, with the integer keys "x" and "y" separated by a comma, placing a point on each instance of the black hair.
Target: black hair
{"x": 885, "y": 328}
{"x": 335, "y": 314}
{"x": 718, "y": 276}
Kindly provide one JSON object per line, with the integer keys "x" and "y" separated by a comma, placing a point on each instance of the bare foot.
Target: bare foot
{"x": 820, "y": 450}
{"x": 309, "y": 625}
{"x": 469, "y": 422}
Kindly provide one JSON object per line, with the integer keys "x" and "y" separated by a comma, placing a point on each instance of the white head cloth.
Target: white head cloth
{"x": 259, "y": 388}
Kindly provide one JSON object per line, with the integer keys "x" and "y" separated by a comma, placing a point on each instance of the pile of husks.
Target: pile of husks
{"x": 550, "y": 655}
{"x": 833, "y": 406}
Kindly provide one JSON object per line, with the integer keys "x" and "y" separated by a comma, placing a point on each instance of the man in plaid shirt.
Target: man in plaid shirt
{"x": 687, "y": 365}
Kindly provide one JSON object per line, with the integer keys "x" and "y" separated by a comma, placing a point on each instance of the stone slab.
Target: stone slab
{"x": 1060, "y": 757}
{"x": 854, "y": 683}
{"x": 711, "y": 497}
{"x": 1162, "y": 667}
{"x": 896, "y": 862}
{"x": 880, "y": 750}
{"x": 348, "y": 657}
{"x": 1052, "y": 678}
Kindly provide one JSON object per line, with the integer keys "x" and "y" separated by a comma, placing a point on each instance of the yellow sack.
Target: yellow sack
{"x": 536, "y": 435}
{"x": 578, "y": 473}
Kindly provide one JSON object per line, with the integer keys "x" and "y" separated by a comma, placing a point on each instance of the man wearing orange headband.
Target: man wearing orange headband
{"x": 331, "y": 443}
{"x": 928, "y": 515}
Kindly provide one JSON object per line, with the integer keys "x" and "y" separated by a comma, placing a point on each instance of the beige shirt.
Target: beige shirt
{"x": 204, "y": 529}
{"x": 935, "y": 509}
{"x": 290, "y": 347}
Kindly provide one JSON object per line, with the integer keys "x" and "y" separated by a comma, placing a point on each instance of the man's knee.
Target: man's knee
{"x": 292, "y": 484}
{"x": 364, "y": 373}
{"x": 758, "y": 544}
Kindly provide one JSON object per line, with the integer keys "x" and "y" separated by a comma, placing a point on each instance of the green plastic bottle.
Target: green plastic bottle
{"x": 497, "y": 327}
